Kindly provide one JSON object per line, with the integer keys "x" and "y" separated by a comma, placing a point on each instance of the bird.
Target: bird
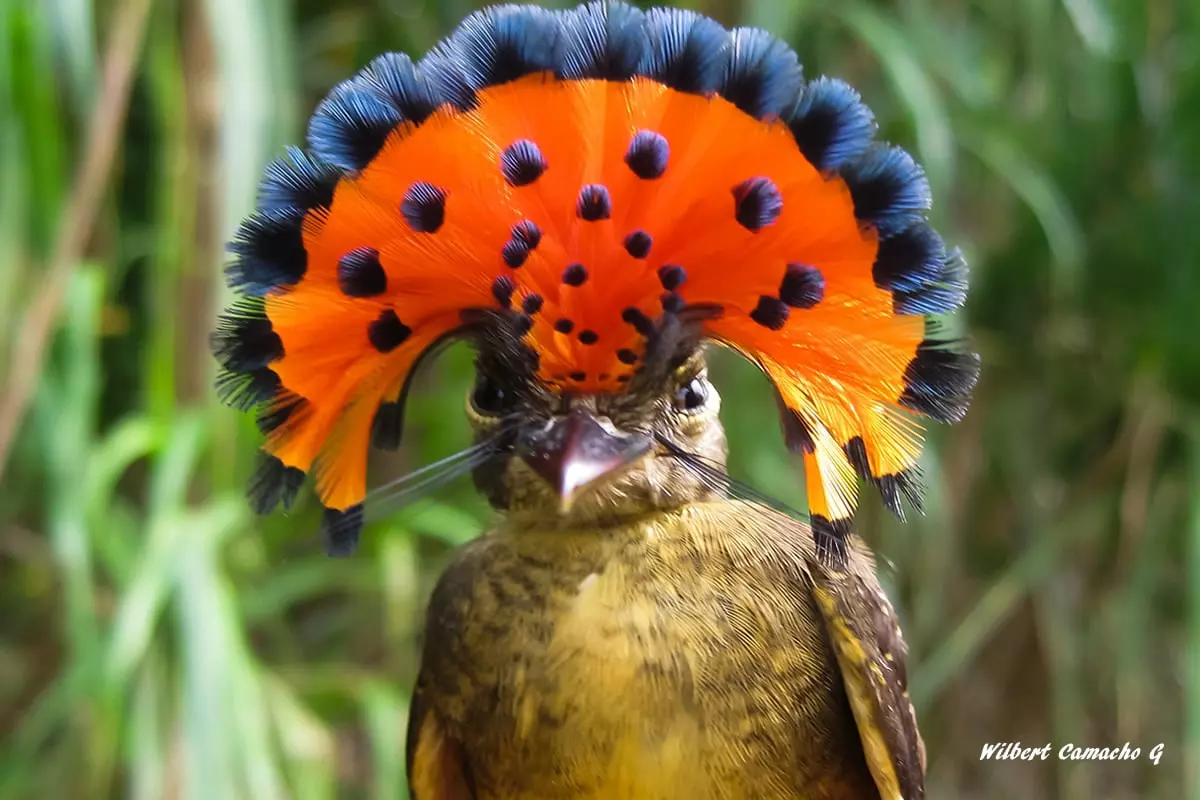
{"x": 596, "y": 199}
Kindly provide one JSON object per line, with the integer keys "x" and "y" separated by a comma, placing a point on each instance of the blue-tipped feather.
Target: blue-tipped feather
{"x": 943, "y": 293}
{"x": 762, "y": 75}
{"x": 910, "y": 259}
{"x": 503, "y": 43}
{"x": 831, "y": 124}
{"x": 393, "y": 78}
{"x": 939, "y": 379}
{"x": 890, "y": 190}
{"x": 244, "y": 340}
{"x": 443, "y": 71}
{"x": 351, "y": 124}
{"x": 297, "y": 182}
{"x": 268, "y": 251}
{"x": 602, "y": 40}
{"x": 687, "y": 50}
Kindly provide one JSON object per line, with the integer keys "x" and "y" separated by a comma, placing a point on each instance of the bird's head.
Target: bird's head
{"x": 588, "y": 457}
{"x": 589, "y": 195}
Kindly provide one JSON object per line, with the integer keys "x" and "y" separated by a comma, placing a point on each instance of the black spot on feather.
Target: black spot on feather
{"x": 522, "y": 163}
{"x": 502, "y": 289}
{"x": 648, "y": 155}
{"x": 638, "y": 243}
{"x": 830, "y": 124}
{"x": 762, "y": 75}
{"x": 387, "y": 332}
{"x": 532, "y": 303}
{"x": 594, "y": 203}
{"x": 803, "y": 286}
{"x": 671, "y": 276}
{"x": 939, "y": 380}
{"x": 360, "y": 274}
{"x": 527, "y": 232}
{"x": 515, "y": 253}
{"x": 757, "y": 203}
{"x": 575, "y": 275}
{"x": 424, "y": 207}
{"x": 273, "y": 483}
{"x": 771, "y": 312}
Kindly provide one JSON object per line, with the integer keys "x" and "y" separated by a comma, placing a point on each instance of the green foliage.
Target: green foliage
{"x": 158, "y": 641}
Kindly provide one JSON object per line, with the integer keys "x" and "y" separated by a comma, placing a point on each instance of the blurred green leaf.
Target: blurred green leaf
{"x": 384, "y": 711}
{"x": 1036, "y": 188}
{"x": 912, "y": 83}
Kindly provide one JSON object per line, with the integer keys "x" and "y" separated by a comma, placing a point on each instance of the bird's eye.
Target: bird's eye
{"x": 692, "y": 395}
{"x": 487, "y": 398}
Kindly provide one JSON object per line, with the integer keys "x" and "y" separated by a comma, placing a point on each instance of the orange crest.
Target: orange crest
{"x": 590, "y": 173}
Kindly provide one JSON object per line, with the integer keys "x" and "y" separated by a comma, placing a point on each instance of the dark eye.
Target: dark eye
{"x": 692, "y": 395}
{"x": 487, "y": 398}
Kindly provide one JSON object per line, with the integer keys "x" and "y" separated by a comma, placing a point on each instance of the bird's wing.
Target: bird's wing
{"x": 872, "y": 656}
{"x": 437, "y": 767}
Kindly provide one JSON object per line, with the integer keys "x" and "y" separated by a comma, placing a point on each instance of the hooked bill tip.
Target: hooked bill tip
{"x": 574, "y": 453}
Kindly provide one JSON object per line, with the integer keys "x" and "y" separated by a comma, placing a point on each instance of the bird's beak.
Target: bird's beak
{"x": 575, "y": 453}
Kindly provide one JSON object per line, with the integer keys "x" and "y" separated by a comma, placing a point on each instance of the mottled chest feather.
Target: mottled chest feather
{"x": 678, "y": 656}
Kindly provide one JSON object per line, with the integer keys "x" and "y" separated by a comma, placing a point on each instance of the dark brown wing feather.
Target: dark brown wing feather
{"x": 873, "y": 658}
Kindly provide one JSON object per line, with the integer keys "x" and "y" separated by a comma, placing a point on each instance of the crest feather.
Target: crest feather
{"x": 595, "y": 182}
